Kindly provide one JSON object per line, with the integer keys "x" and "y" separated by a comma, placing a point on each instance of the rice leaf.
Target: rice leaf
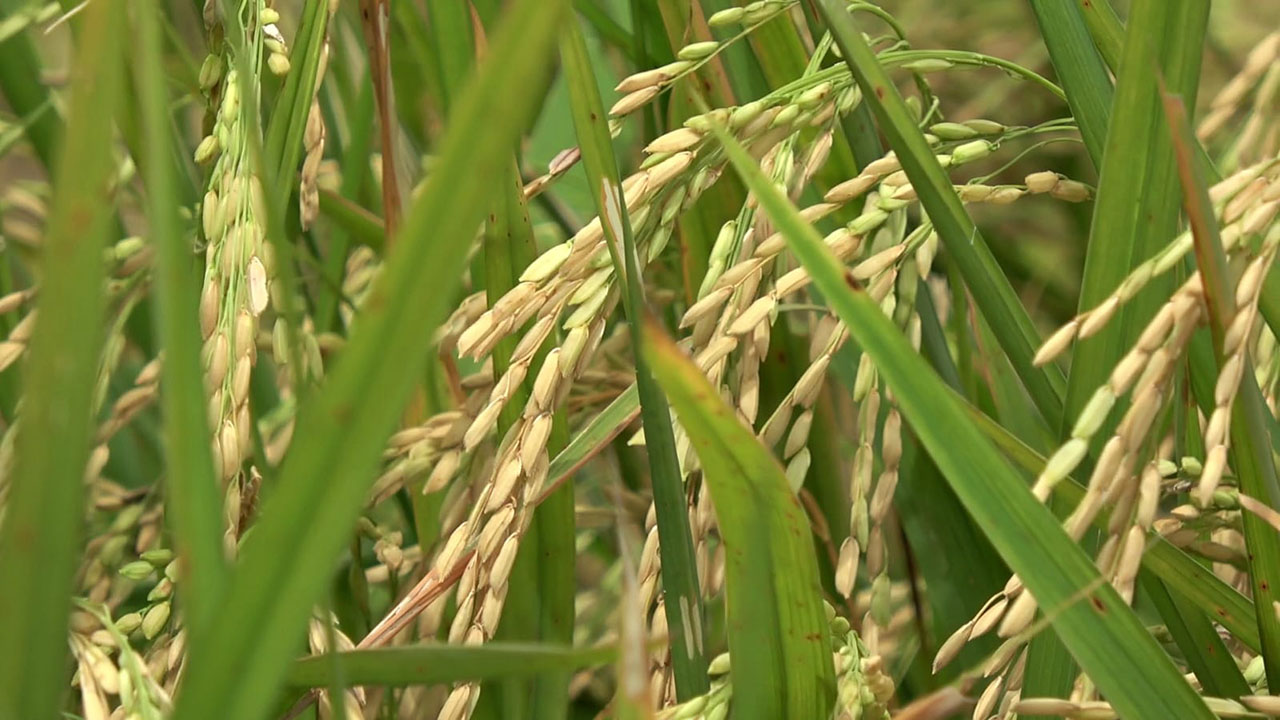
{"x": 778, "y": 641}
{"x": 1105, "y": 27}
{"x": 596, "y": 435}
{"x": 1206, "y": 655}
{"x": 683, "y": 600}
{"x": 1080, "y": 67}
{"x": 20, "y": 84}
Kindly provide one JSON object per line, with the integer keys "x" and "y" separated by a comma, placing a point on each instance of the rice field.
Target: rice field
{"x": 639, "y": 359}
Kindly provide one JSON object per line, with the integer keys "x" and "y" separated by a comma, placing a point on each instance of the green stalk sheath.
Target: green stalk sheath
{"x": 683, "y": 600}
{"x": 556, "y": 564}
{"x": 541, "y": 594}
{"x": 504, "y": 250}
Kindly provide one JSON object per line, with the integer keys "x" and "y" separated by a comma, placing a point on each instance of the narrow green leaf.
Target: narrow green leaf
{"x": 20, "y": 71}
{"x": 40, "y": 539}
{"x": 453, "y": 47}
{"x": 434, "y": 664}
{"x": 415, "y": 68}
{"x": 683, "y": 601}
{"x": 596, "y": 436}
{"x": 287, "y": 558}
{"x": 1082, "y": 71}
{"x": 1104, "y": 25}
{"x": 289, "y": 118}
{"x": 778, "y": 639}
{"x": 1101, "y": 632}
{"x": 1206, "y": 655}
{"x": 363, "y": 226}
{"x": 192, "y": 502}
{"x": 955, "y": 581}
{"x": 1197, "y": 583}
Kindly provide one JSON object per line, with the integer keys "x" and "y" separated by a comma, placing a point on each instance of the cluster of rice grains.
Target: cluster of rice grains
{"x": 114, "y": 679}
{"x": 238, "y": 260}
{"x": 568, "y": 294}
{"x": 128, "y": 262}
{"x": 111, "y": 675}
{"x": 1258, "y": 137}
{"x": 1136, "y": 467}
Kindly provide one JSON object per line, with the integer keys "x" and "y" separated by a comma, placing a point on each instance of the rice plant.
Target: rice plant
{"x": 675, "y": 359}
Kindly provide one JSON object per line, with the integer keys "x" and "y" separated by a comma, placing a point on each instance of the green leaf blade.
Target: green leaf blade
{"x": 777, "y": 630}
{"x": 682, "y": 598}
